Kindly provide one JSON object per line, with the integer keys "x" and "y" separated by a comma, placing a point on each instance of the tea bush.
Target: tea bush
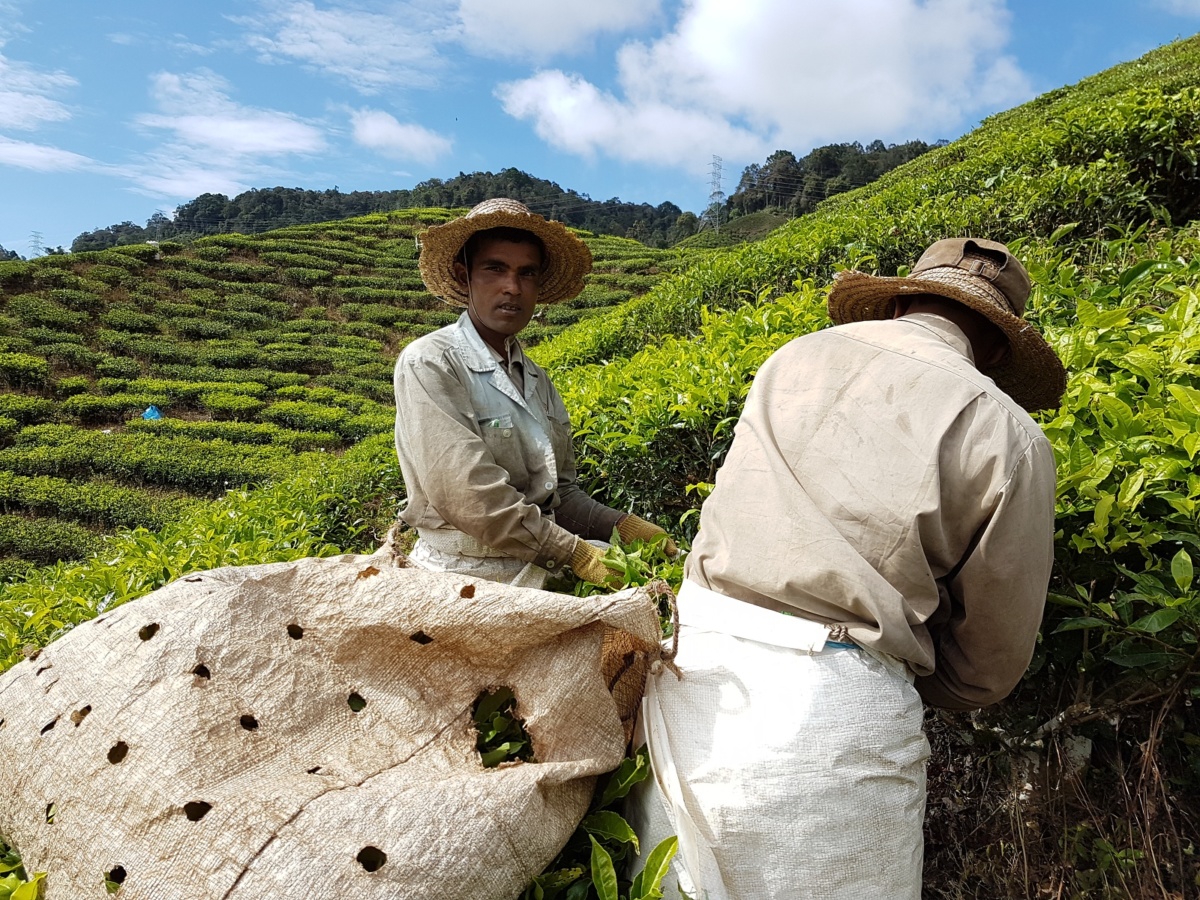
{"x": 23, "y": 370}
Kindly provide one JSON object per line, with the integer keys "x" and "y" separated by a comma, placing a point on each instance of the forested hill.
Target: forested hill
{"x": 263, "y": 209}
{"x": 782, "y": 183}
{"x": 795, "y": 186}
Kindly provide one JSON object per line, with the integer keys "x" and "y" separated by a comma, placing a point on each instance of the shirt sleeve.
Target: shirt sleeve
{"x": 577, "y": 511}
{"x": 457, "y": 473}
{"x": 998, "y": 593}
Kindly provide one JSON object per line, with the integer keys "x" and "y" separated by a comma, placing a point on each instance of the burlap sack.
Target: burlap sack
{"x": 202, "y": 742}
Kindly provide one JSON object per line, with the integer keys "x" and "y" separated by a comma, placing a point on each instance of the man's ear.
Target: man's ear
{"x": 460, "y": 273}
{"x": 900, "y": 305}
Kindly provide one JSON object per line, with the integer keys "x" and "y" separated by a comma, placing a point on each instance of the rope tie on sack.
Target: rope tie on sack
{"x": 666, "y": 657}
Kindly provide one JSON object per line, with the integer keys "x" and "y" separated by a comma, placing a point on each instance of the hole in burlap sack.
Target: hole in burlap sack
{"x": 468, "y": 591}
{"x": 501, "y": 732}
{"x": 148, "y": 631}
{"x": 196, "y": 810}
{"x": 79, "y": 715}
{"x": 49, "y": 725}
{"x": 249, "y": 722}
{"x": 421, "y": 638}
{"x": 51, "y": 810}
{"x": 371, "y": 858}
{"x": 116, "y": 875}
{"x": 315, "y": 770}
{"x": 118, "y": 752}
{"x": 295, "y": 632}
{"x": 357, "y": 702}
{"x": 42, "y": 669}
{"x": 201, "y": 671}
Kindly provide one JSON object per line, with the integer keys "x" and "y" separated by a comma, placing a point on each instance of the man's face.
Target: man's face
{"x": 504, "y": 282}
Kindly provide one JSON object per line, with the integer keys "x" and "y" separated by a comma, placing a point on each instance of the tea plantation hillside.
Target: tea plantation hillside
{"x": 1084, "y": 784}
{"x": 253, "y": 348}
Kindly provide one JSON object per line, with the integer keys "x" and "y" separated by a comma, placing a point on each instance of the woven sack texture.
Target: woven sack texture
{"x": 210, "y": 740}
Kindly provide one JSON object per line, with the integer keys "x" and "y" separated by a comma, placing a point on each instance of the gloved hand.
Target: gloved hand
{"x": 631, "y": 527}
{"x": 587, "y": 564}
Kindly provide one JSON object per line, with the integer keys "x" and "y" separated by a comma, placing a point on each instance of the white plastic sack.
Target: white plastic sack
{"x": 203, "y": 742}
{"x": 785, "y": 773}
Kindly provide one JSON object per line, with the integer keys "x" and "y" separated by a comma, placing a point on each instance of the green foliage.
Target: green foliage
{"x": 224, "y": 405}
{"x": 43, "y": 540}
{"x": 135, "y": 458}
{"x": 501, "y": 732}
{"x": 23, "y": 370}
{"x": 585, "y": 867}
{"x": 24, "y": 409}
{"x": 35, "y": 310}
{"x": 95, "y": 502}
{"x": 71, "y": 385}
{"x": 305, "y": 416}
{"x": 323, "y": 507}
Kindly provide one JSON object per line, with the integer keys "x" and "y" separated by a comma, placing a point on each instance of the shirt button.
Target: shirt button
{"x": 508, "y": 432}
{"x": 550, "y": 563}
{"x": 549, "y": 485}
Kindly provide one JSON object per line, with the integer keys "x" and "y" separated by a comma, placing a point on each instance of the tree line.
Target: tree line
{"x": 795, "y": 186}
{"x": 263, "y": 209}
{"x": 784, "y": 183}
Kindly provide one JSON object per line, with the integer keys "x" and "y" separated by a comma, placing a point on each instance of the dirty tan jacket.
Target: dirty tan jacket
{"x": 878, "y": 481}
{"x": 482, "y": 457}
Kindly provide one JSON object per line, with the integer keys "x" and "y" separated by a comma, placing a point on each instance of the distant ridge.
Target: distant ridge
{"x": 263, "y": 209}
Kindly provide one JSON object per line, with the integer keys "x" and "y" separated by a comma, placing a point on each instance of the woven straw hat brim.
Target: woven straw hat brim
{"x": 1032, "y": 373}
{"x": 568, "y": 258}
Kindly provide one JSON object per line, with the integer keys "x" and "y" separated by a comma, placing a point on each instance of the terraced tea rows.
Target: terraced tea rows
{"x": 258, "y": 352}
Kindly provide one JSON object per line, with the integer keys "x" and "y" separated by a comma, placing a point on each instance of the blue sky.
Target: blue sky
{"x": 114, "y": 111}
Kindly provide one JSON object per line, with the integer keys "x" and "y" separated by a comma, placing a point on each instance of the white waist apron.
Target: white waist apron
{"x": 787, "y": 767}
{"x": 453, "y": 551}
{"x": 445, "y": 550}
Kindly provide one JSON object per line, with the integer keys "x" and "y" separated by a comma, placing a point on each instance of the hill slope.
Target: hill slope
{"x": 253, "y": 348}
{"x": 1085, "y": 783}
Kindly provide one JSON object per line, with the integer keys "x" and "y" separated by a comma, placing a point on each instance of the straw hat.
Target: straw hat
{"x": 984, "y": 276}
{"x": 568, "y": 258}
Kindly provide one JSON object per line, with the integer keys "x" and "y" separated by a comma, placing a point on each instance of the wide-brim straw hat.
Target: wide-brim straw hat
{"x": 984, "y": 276}
{"x": 567, "y": 260}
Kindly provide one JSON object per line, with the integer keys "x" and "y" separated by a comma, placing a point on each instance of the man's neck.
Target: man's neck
{"x": 494, "y": 339}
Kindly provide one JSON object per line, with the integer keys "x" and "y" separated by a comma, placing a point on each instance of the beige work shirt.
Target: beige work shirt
{"x": 486, "y": 457}
{"x": 878, "y": 480}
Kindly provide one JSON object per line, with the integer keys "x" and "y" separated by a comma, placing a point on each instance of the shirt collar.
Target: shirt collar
{"x": 515, "y": 354}
{"x": 944, "y": 329}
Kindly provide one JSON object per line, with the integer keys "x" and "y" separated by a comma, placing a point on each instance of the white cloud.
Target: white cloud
{"x": 214, "y": 144}
{"x": 539, "y": 29}
{"x": 572, "y": 114}
{"x": 203, "y": 119}
{"x": 743, "y": 80}
{"x": 40, "y": 157}
{"x": 1179, "y": 7}
{"x": 391, "y": 45}
{"x": 380, "y": 131}
{"x": 26, "y": 95}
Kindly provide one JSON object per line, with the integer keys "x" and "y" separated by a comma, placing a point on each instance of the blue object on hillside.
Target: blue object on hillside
{"x": 152, "y": 413}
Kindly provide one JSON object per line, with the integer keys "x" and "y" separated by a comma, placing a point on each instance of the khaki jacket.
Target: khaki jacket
{"x": 483, "y": 458}
{"x": 877, "y": 480}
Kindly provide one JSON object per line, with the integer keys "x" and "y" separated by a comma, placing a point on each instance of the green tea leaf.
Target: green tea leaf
{"x": 610, "y": 825}
{"x": 604, "y": 876}
{"x": 649, "y": 881}
{"x": 1078, "y": 623}
{"x": 1182, "y": 571}
{"x": 1157, "y": 621}
{"x": 632, "y": 770}
{"x": 32, "y": 889}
